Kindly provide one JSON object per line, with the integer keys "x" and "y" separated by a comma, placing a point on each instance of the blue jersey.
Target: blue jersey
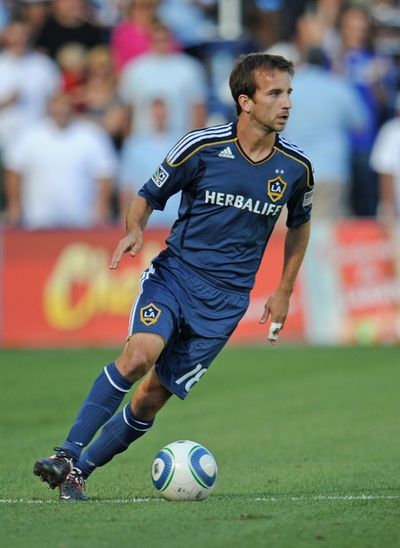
{"x": 229, "y": 204}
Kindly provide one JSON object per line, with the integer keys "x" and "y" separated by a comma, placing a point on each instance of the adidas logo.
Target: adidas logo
{"x": 226, "y": 153}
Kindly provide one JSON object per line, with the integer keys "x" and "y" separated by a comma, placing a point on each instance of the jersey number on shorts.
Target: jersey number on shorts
{"x": 194, "y": 376}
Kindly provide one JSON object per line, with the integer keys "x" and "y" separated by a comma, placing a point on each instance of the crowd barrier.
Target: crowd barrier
{"x": 57, "y": 288}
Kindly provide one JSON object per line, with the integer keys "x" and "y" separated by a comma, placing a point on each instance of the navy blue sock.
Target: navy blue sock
{"x": 103, "y": 400}
{"x": 118, "y": 433}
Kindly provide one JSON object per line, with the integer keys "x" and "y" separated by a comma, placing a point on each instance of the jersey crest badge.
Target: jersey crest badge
{"x": 276, "y": 188}
{"x": 160, "y": 176}
{"x": 149, "y": 314}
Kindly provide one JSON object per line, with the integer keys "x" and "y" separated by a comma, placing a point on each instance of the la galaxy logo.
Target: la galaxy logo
{"x": 276, "y": 188}
{"x": 149, "y": 314}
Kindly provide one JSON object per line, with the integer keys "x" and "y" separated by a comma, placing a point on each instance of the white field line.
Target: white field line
{"x": 329, "y": 497}
{"x": 320, "y": 498}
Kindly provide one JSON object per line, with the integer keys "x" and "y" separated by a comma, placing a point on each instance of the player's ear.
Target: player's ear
{"x": 244, "y": 102}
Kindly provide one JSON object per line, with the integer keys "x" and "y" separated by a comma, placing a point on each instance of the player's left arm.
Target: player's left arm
{"x": 277, "y": 306}
{"x": 298, "y": 233}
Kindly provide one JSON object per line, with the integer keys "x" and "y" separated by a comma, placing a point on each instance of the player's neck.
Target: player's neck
{"x": 256, "y": 144}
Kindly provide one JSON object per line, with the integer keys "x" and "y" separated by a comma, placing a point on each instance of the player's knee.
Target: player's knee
{"x": 134, "y": 362}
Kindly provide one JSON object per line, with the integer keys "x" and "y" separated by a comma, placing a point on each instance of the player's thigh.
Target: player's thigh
{"x": 140, "y": 353}
{"x": 153, "y": 321}
{"x": 183, "y": 363}
{"x": 155, "y": 309}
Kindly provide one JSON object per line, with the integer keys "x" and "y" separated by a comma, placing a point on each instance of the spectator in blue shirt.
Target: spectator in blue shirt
{"x": 372, "y": 76}
{"x": 140, "y": 156}
{"x": 326, "y": 110}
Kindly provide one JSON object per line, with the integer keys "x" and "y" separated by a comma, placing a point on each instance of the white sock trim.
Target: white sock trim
{"x": 134, "y": 427}
{"x": 113, "y": 383}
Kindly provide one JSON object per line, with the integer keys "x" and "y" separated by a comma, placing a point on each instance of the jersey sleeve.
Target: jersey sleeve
{"x": 168, "y": 179}
{"x": 300, "y": 203}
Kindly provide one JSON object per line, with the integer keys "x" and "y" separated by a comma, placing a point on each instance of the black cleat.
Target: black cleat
{"x": 73, "y": 488}
{"x": 54, "y": 469}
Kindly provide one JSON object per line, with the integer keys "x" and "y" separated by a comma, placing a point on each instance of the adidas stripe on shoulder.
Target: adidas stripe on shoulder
{"x": 297, "y": 154}
{"x": 294, "y": 148}
{"x": 197, "y": 139}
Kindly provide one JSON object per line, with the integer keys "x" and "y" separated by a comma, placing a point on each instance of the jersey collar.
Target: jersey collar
{"x": 242, "y": 152}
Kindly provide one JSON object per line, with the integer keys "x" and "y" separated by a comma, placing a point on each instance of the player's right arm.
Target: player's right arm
{"x": 136, "y": 219}
{"x": 168, "y": 179}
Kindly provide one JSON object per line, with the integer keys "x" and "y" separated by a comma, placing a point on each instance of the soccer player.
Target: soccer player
{"x": 235, "y": 180}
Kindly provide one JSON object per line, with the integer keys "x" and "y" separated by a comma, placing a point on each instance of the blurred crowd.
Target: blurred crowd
{"x": 93, "y": 94}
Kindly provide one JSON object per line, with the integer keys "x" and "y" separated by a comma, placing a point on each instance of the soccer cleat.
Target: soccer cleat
{"x": 54, "y": 469}
{"x": 73, "y": 488}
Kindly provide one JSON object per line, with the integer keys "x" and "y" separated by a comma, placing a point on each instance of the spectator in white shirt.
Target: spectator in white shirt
{"x": 175, "y": 77}
{"x": 385, "y": 160}
{"x": 27, "y": 80}
{"x": 59, "y": 172}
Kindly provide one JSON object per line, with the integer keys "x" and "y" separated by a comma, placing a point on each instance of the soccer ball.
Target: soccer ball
{"x": 184, "y": 470}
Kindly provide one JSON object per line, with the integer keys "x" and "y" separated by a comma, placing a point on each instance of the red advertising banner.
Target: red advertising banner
{"x": 351, "y": 278}
{"x": 58, "y": 290}
{"x": 368, "y": 274}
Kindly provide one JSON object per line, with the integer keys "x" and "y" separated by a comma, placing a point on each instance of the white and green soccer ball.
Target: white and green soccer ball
{"x": 184, "y": 470}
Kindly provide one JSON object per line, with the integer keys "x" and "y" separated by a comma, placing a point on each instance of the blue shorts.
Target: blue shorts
{"x": 194, "y": 318}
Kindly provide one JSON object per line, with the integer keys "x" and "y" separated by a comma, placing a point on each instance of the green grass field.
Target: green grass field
{"x": 306, "y": 439}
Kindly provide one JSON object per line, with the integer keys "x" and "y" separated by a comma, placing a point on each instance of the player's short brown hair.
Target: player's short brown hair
{"x": 242, "y": 80}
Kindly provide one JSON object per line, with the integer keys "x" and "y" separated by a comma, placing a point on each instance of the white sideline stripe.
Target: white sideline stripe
{"x": 282, "y": 498}
{"x": 58, "y": 501}
{"x": 145, "y": 276}
{"x": 328, "y": 497}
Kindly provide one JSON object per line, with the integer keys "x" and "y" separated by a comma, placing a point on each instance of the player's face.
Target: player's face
{"x": 270, "y": 105}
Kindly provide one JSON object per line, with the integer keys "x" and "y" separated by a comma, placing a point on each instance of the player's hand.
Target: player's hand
{"x": 276, "y": 309}
{"x": 131, "y": 243}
